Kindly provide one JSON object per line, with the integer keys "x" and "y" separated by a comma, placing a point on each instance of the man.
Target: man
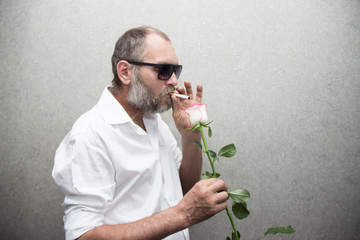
{"x": 119, "y": 167}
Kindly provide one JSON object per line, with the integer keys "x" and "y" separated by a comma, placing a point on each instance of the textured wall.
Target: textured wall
{"x": 281, "y": 81}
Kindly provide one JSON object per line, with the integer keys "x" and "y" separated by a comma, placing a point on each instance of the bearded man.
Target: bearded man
{"x": 119, "y": 167}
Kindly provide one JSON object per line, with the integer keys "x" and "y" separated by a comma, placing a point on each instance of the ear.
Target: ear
{"x": 124, "y": 72}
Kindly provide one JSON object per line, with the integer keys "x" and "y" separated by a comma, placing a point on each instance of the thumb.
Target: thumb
{"x": 176, "y": 107}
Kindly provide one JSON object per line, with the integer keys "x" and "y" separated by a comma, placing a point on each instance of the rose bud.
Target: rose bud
{"x": 197, "y": 113}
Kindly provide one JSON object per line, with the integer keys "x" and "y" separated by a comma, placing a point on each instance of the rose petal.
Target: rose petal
{"x": 194, "y": 114}
{"x": 197, "y": 113}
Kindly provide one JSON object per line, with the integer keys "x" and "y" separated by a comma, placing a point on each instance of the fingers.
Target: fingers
{"x": 199, "y": 92}
{"x": 214, "y": 189}
{"x": 175, "y": 101}
{"x": 181, "y": 90}
{"x": 179, "y": 105}
{"x": 216, "y": 184}
{"x": 188, "y": 91}
{"x": 219, "y": 188}
{"x": 188, "y": 88}
{"x": 220, "y": 207}
{"x": 221, "y": 198}
{"x": 204, "y": 200}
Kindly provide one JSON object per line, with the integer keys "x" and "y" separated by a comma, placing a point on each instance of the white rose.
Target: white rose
{"x": 197, "y": 113}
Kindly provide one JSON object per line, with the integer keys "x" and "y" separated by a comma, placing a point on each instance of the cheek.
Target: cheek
{"x": 149, "y": 73}
{"x": 159, "y": 87}
{"x": 150, "y": 79}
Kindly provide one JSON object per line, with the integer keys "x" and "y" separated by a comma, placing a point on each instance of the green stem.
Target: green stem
{"x": 214, "y": 175}
{"x": 207, "y": 152}
{"x": 232, "y": 223}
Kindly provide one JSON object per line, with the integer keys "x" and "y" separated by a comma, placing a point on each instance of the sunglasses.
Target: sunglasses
{"x": 165, "y": 71}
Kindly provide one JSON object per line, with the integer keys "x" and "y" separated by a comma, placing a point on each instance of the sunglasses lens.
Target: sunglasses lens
{"x": 178, "y": 71}
{"x": 165, "y": 72}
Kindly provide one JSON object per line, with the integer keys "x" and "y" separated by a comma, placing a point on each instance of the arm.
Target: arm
{"x": 191, "y": 164}
{"x": 190, "y": 169}
{"x": 205, "y": 199}
{"x": 157, "y": 226}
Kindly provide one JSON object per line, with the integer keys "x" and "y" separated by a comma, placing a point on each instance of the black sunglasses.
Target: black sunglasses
{"x": 165, "y": 71}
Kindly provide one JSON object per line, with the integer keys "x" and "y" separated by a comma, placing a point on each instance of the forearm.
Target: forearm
{"x": 190, "y": 169}
{"x": 205, "y": 199}
{"x": 157, "y": 226}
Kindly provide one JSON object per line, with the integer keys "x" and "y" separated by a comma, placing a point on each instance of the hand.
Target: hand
{"x": 204, "y": 200}
{"x": 181, "y": 118}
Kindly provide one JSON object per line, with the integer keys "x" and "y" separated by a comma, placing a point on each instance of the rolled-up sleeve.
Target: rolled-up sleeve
{"x": 86, "y": 176}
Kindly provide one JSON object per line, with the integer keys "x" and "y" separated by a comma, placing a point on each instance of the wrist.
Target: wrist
{"x": 181, "y": 213}
{"x": 190, "y": 135}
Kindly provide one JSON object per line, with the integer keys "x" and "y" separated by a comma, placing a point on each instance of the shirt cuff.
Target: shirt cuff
{"x": 78, "y": 220}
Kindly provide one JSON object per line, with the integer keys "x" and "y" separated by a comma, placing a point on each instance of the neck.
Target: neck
{"x": 135, "y": 114}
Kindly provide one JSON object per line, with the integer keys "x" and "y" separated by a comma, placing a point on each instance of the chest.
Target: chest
{"x": 139, "y": 156}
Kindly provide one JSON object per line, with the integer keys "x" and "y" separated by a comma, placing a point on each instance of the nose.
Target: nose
{"x": 172, "y": 80}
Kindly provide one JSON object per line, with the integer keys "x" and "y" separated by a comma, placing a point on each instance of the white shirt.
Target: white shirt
{"x": 112, "y": 171}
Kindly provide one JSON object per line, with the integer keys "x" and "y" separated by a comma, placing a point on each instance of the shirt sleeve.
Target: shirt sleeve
{"x": 86, "y": 176}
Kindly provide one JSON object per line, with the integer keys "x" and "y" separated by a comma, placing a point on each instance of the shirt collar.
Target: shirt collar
{"x": 112, "y": 111}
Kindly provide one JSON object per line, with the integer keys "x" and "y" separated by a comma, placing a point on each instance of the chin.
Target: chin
{"x": 165, "y": 105}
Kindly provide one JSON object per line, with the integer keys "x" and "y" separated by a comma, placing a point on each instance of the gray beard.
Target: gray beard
{"x": 141, "y": 97}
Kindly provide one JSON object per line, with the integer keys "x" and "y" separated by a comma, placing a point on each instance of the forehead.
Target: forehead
{"x": 159, "y": 50}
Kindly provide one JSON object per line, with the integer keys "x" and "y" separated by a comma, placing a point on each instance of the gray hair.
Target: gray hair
{"x": 130, "y": 46}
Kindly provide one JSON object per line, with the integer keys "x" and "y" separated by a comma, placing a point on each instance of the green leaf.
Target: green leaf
{"x": 240, "y": 195}
{"x": 206, "y": 124}
{"x": 240, "y": 210}
{"x": 217, "y": 175}
{"x": 208, "y": 175}
{"x": 199, "y": 144}
{"x": 212, "y": 154}
{"x": 204, "y": 176}
{"x": 209, "y": 132}
{"x": 228, "y": 151}
{"x": 283, "y": 230}
{"x": 228, "y": 238}
{"x": 195, "y": 127}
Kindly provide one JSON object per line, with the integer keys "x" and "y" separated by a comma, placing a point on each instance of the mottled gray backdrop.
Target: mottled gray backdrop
{"x": 281, "y": 81}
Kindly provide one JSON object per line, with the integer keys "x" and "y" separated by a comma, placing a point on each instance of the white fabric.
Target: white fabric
{"x": 112, "y": 172}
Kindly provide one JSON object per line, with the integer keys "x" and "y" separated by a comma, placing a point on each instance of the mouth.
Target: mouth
{"x": 167, "y": 92}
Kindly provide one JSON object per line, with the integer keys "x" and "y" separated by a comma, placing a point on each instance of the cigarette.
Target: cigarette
{"x": 180, "y": 95}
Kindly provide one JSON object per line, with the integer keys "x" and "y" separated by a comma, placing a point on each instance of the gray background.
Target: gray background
{"x": 281, "y": 81}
